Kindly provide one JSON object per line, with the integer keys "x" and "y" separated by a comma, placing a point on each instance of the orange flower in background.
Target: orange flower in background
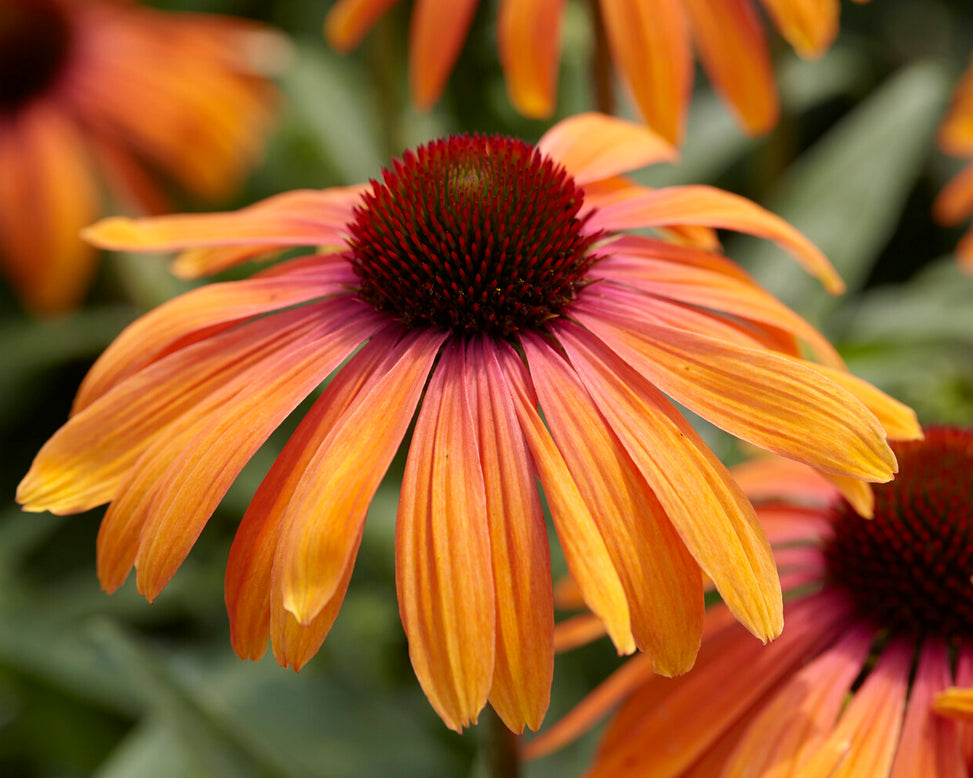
{"x": 874, "y": 668}
{"x": 651, "y": 44}
{"x": 955, "y": 202}
{"x": 105, "y": 93}
{"x": 484, "y": 277}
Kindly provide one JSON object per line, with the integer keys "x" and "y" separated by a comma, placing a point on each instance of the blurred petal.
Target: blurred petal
{"x": 955, "y": 202}
{"x": 349, "y": 20}
{"x": 809, "y": 26}
{"x": 714, "y": 208}
{"x": 733, "y": 49}
{"x": 650, "y": 45}
{"x": 529, "y": 41}
{"x": 444, "y": 576}
{"x": 521, "y": 557}
{"x": 584, "y": 548}
{"x": 697, "y": 494}
{"x": 662, "y": 582}
{"x": 595, "y": 146}
{"x": 436, "y": 35}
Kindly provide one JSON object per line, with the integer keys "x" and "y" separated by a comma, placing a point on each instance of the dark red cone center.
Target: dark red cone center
{"x": 35, "y": 41}
{"x": 909, "y": 569}
{"x": 476, "y": 234}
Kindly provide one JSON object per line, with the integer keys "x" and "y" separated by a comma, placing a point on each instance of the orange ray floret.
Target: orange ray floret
{"x": 955, "y": 202}
{"x": 486, "y": 289}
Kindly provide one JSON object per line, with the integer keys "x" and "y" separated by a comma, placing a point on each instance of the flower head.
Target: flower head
{"x": 102, "y": 92}
{"x": 955, "y": 202}
{"x": 651, "y": 45}
{"x": 485, "y": 277}
{"x": 874, "y": 665}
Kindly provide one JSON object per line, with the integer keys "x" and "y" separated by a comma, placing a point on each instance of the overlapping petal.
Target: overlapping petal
{"x": 529, "y": 44}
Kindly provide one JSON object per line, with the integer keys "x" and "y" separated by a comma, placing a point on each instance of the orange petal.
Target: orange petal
{"x": 650, "y": 46}
{"x": 328, "y": 506}
{"x": 86, "y": 461}
{"x": 690, "y": 483}
{"x": 529, "y": 40}
{"x": 930, "y": 744}
{"x": 595, "y": 146}
{"x": 956, "y": 132}
{"x": 248, "y": 570}
{"x": 769, "y": 477}
{"x": 955, "y": 202}
{"x": 577, "y": 631}
{"x": 689, "y": 713}
{"x": 810, "y": 26}
{"x": 795, "y": 722}
{"x": 444, "y": 575}
{"x": 867, "y": 735}
{"x": 662, "y": 582}
{"x": 46, "y": 196}
{"x": 714, "y": 208}
{"x": 349, "y": 20}
{"x": 584, "y": 548}
{"x": 305, "y": 217}
{"x": 584, "y": 716}
{"x": 436, "y": 36}
{"x": 964, "y": 251}
{"x": 766, "y": 399}
{"x": 518, "y": 545}
{"x": 733, "y": 49}
{"x": 203, "y": 453}
{"x": 197, "y": 315}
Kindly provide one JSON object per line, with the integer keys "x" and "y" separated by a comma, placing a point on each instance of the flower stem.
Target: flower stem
{"x": 503, "y": 752}
{"x": 601, "y": 63}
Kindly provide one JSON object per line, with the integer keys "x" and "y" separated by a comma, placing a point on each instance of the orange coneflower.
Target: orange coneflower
{"x": 486, "y": 276}
{"x": 873, "y": 667}
{"x": 955, "y": 202}
{"x": 650, "y": 42}
{"x": 98, "y": 93}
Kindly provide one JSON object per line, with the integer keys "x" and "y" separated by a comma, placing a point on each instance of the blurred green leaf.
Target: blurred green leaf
{"x": 847, "y": 192}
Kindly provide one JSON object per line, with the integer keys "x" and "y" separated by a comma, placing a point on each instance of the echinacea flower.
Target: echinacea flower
{"x": 105, "y": 94}
{"x": 955, "y": 202}
{"x": 651, "y": 43}
{"x": 483, "y": 276}
{"x": 875, "y": 663}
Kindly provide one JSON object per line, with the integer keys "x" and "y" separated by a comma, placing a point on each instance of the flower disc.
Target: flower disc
{"x": 35, "y": 40}
{"x": 476, "y": 234}
{"x": 909, "y": 569}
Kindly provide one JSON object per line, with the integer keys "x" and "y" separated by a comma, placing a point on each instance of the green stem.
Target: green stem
{"x": 503, "y": 747}
{"x": 601, "y": 62}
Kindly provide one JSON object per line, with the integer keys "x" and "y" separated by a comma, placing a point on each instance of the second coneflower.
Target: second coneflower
{"x": 484, "y": 277}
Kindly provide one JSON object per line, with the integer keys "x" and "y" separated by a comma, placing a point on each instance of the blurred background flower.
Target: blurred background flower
{"x": 955, "y": 202}
{"x": 107, "y": 686}
{"x": 100, "y": 94}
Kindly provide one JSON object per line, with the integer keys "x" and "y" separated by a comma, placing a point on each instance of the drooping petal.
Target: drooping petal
{"x": 436, "y": 34}
{"x": 769, "y": 400}
{"x": 809, "y": 26}
{"x": 329, "y": 504}
{"x": 529, "y": 43}
{"x": 304, "y": 217}
{"x": 444, "y": 574}
{"x": 733, "y": 49}
{"x": 930, "y": 744}
{"x": 794, "y": 723}
{"x": 577, "y": 631}
{"x": 584, "y": 548}
{"x": 661, "y": 581}
{"x": 86, "y": 461}
{"x": 46, "y": 196}
{"x": 650, "y": 45}
{"x": 248, "y": 570}
{"x": 866, "y": 737}
{"x": 696, "y": 493}
{"x": 524, "y": 664}
{"x": 184, "y": 474}
{"x": 687, "y": 714}
{"x": 595, "y": 146}
{"x": 766, "y": 478}
{"x": 955, "y": 202}
{"x": 349, "y": 20}
{"x": 196, "y": 315}
{"x": 697, "y": 204}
